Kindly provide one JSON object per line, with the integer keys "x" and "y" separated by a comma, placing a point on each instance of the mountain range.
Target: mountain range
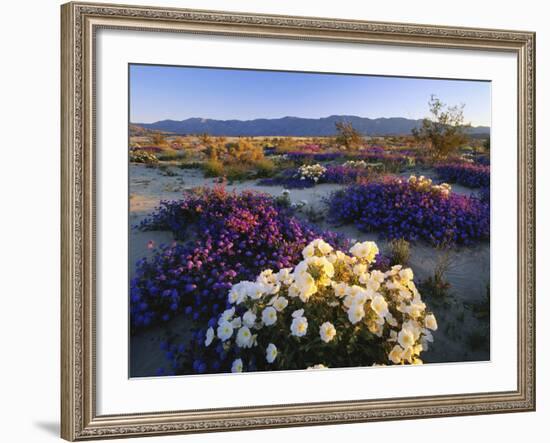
{"x": 291, "y": 126}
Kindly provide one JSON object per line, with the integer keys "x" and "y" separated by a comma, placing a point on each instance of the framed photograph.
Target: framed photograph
{"x": 282, "y": 221}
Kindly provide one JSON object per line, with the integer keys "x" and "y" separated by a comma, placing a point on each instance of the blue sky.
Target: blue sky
{"x": 166, "y": 92}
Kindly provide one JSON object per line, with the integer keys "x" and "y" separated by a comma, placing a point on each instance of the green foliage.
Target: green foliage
{"x": 444, "y": 132}
{"x": 265, "y": 168}
{"x": 137, "y": 156}
{"x": 348, "y": 136}
{"x": 400, "y": 251}
{"x": 158, "y": 139}
{"x": 213, "y": 168}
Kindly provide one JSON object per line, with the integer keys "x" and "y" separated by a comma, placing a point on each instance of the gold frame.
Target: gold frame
{"x": 79, "y": 22}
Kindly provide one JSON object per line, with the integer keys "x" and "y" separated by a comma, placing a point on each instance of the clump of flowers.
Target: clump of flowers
{"x": 412, "y": 210}
{"x": 472, "y": 175}
{"x": 424, "y": 184}
{"x": 235, "y": 236}
{"x": 311, "y": 172}
{"x": 331, "y": 310}
{"x": 142, "y": 156}
{"x": 338, "y": 174}
{"x": 355, "y": 164}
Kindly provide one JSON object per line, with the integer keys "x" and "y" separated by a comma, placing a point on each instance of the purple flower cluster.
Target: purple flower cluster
{"x": 236, "y": 236}
{"x": 482, "y": 160}
{"x": 299, "y": 156}
{"x": 471, "y": 175}
{"x": 399, "y": 210}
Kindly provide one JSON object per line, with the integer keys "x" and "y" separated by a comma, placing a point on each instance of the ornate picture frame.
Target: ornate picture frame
{"x": 80, "y": 22}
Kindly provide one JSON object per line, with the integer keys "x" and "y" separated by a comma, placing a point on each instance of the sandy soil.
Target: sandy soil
{"x": 462, "y": 335}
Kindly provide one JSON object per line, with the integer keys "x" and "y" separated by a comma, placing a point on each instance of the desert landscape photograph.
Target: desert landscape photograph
{"x": 306, "y": 221}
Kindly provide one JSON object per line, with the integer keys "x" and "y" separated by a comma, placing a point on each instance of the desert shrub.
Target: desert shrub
{"x": 213, "y": 168}
{"x": 238, "y": 171}
{"x": 139, "y": 156}
{"x": 265, "y": 168}
{"x": 308, "y": 176}
{"x": 436, "y": 286}
{"x": 237, "y": 235}
{"x": 413, "y": 210}
{"x": 170, "y": 154}
{"x": 471, "y": 175}
{"x": 400, "y": 251}
{"x": 330, "y": 310}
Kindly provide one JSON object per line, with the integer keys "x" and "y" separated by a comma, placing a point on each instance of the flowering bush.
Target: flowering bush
{"x": 339, "y": 174}
{"x": 236, "y": 236}
{"x": 311, "y": 172}
{"x": 142, "y": 156}
{"x": 467, "y": 174}
{"x": 355, "y": 164}
{"x": 330, "y": 310}
{"x": 414, "y": 210}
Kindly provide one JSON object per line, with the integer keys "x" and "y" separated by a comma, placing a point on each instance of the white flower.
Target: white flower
{"x": 293, "y": 291}
{"x": 396, "y": 354}
{"x": 367, "y": 250}
{"x": 339, "y": 289}
{"x": 324, "y": 247}
{"x": 406, "y": 338}
{"x": 249, "y": 318}
{"x": 284, "y": 276}
{"x": 226, "y": 316}
{"x": 298, "y": 313}
{"x": 317, "y": 366}
{"x": 237, "y": 294}
{"x": 269, "y": 316}
{"x": 236, "y": 322}
{"x": 327, "y": 331}
{"x": 271, "y": 353}
{"x": 237, "y": 366}
{"x": 299, "y": 326}
{"x": 225, "y": 331}
{"x": 257, "y": 290}
{"x": 430, "y": 322}
{"x": 379, "y": 305}
{"x": 406, "y": 274}
{"x": 356, "y": 312}
{"x": 306, "y": 286}
{"x": 266, "y": 277}
{"x": 209, "y": 336}
{"x": 308, "y": 251}
{"x": 244, "y": 338}
{"x": 280, "y": 303}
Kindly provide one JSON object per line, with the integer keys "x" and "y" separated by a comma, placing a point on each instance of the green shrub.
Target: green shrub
{"x": 213, "y": 168}
{"x": 137, "y": 156}
{"x": 400, "y": 251}
{"x": 265, "y": 168}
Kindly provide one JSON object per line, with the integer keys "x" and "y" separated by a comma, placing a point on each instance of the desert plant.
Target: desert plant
{"x": 331, "y": 310}
{"x": 444, "y": 132}
{"x": 158, "y": 139}
{"x": 213, "y": 168}
{"x": 400, "y": 251}
{"x": 138, "y": 156}
{"x": 348, "y": 136}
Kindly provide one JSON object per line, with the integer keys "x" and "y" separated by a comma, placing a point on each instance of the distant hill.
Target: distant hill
{"x": 290, "y": 126}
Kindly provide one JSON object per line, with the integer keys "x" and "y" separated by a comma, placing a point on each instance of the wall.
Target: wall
{"x": 29, "y": 179}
